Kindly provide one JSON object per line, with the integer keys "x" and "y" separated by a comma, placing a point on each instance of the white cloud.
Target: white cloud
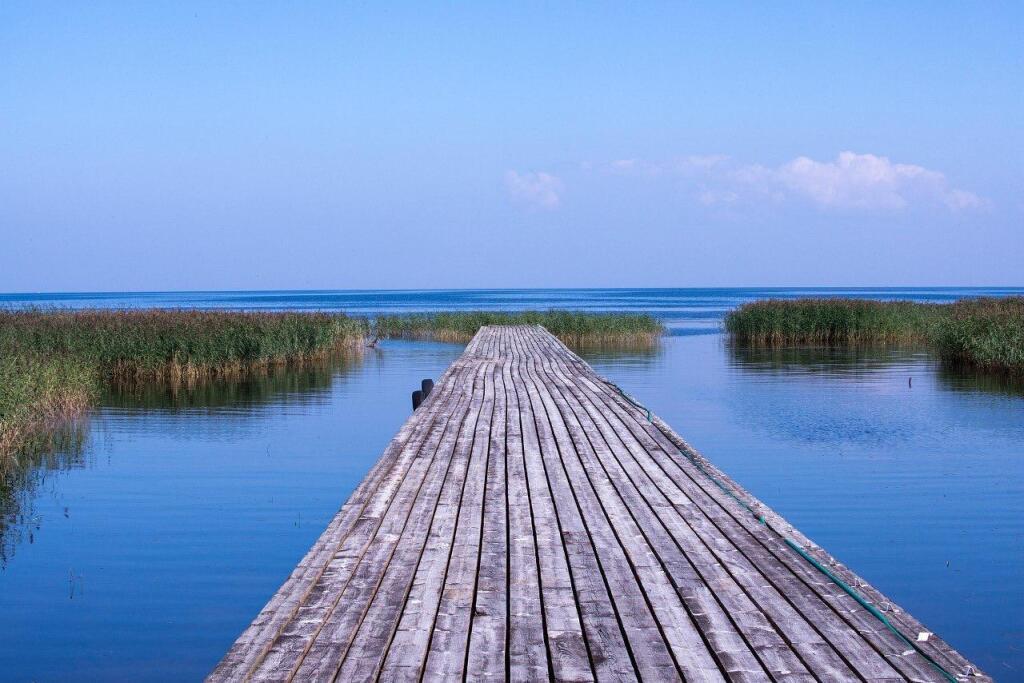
{"x": 538, "y": 189}
{"x": 869, "y": 181}
{"x": 850, "y": 181}
{"x": 960, "y": 199}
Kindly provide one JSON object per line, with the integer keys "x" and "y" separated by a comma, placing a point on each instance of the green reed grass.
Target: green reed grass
{"x": 830, "y": 321}
{"x": 38, "y": 394}
{"x": 573, "y": 328}
{"x": 155, "y": 344}
{"x": 53, "y": 363}
{"x": 56, "y": 361}
{"x": 986, "y": 333}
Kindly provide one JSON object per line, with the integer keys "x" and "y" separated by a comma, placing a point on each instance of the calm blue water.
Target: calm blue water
{"x": 142, "y": 553}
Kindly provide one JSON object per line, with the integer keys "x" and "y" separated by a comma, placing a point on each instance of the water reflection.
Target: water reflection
{"x": 828, "y": 361}
{"x": 32, "y": 472}
{"x": 638, "y": 356}
{"x": 282, "y": 383}
{"x": 816, "y": 410}
{"x": 867, "y": 364}
{"x": 967, "y": 380}
{"x": 871, "y": 396}
{"x": 157, "y": 407}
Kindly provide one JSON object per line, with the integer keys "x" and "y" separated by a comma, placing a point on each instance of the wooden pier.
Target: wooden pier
{"x": 530, "y": 521}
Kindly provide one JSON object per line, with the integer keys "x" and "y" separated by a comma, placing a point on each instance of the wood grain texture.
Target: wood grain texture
{"x": 530, "y": 522}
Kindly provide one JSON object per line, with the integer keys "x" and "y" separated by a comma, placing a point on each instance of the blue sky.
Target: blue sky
{"x": 340, "y": 145}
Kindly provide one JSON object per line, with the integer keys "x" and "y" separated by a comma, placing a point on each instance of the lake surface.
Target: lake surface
{"x": 141, "y": 549}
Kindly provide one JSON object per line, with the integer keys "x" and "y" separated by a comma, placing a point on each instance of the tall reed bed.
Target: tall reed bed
{"x": 831, "y": 321}
{"x": 176, "y": 344}
{"x": 574, "y": 328}
{"x": 39, "y": 394}
{"x": 53, "y": 363}
{"x": 987, "y": 333}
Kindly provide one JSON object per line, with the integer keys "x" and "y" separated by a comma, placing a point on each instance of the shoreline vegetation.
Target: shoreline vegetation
{"x": 985, "y": 334}
{"x": 178, "y": 344}
{"x": 573, "y": 328}
{"x": 55, "y": 363}
{"x": 39, "y": 396}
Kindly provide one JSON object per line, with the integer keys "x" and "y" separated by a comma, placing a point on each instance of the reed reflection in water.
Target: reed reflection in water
{"x": 29, "y": 476}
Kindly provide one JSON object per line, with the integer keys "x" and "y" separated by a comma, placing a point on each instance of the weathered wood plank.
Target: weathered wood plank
{"x": 529, "y": 522}
{"x": 334, "y": 637}
{"x": 487, "y": 657}
{"x": 446, "y": 657}
{"x": 528, "y": 650}
{"x": 883, "y": 653}
{"x": 664, "y": 648}
{"x": 377, "y": 488}
{"x": 736, "y": 630}
{"x": 366, "y": 655}
{"x": 741, "y": 590}
{"x": 407, "y": 653}
{"x": 716, "y": 506}
{"x": 575, "y": 595}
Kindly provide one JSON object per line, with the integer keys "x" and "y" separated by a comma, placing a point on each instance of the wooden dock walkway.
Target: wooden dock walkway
{"x": 530, "y": 521}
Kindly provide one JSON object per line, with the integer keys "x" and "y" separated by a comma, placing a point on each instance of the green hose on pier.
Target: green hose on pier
{"x": 630, "y": 399}
{"x": 849, "y": 590}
